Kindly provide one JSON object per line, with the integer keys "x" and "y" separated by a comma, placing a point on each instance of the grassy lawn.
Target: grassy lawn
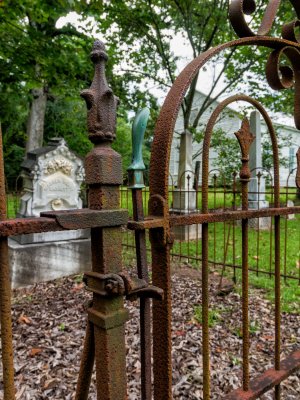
{"x": 13, "y": 203}
{"x": 217, "y": 198}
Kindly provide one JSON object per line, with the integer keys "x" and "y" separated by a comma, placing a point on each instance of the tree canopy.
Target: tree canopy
{"x": 41, "y": 61}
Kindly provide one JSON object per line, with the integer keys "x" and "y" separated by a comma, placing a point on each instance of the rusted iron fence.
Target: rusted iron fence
{"x": 224, "y": 193}
{"x": 224, "y": 239}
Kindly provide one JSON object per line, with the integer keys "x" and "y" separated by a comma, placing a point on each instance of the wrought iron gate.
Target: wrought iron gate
{"x": 104, "y": 342}
{"x": 161, "y": 221}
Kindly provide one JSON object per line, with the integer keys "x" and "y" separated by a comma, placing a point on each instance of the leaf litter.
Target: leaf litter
{"x": 49, "y": 322}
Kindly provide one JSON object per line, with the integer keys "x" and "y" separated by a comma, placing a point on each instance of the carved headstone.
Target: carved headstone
{"x": 52, "y": 178}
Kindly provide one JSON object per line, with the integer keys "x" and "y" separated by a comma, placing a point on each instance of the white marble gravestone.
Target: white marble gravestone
{"x": 52, "y": 178}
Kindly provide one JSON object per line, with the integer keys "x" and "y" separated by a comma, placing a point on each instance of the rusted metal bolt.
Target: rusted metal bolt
{"x": 112, "y": 287}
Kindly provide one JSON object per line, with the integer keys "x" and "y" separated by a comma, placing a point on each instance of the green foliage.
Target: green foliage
{"x": 267, "y": 152}
{"x": 34, "y": 53}
{"x": 66, "y": 117}
{"x": 13, "y": 114}
{"x": 227, "y": 149}
{"x": 62, "y": 327}
{"x": 214, "y": 316}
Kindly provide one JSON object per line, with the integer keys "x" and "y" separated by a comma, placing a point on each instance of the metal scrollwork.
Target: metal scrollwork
{"x": 238, "y": 9}
{"x": 284, "y": 77}
{"x": 279, "y": 76}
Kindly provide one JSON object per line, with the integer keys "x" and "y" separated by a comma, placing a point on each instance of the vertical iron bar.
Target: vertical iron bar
{"x": 161, "y": 242}
{"x": 233, "y": 227}
{"x": 285, "y": 236}
{"x": 205, "y": 274}
{"x": 188, "y": 227}
{"x": 205, "y": 314}
{"x": 86, "y": 364}
{"x": 277, "y": 281}
{"x": 215, "y": 206}
{"x": 145, "y": 317}
{"x": 258, "y": 226}
{"x": 245, "y": 138}
{"x": 5, "y": 296}
{"x": 136, "y": 184}
{"x": 277, "y": 300}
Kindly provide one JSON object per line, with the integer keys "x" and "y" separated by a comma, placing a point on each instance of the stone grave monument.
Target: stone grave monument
{"x": 257, "y": 184}
{"x": 52, "y": 179}
{"x": 184, "y": 196}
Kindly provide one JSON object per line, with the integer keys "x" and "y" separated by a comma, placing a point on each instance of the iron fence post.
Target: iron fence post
{"x": 103, "y": 166}
{"x": 5, "y": 296}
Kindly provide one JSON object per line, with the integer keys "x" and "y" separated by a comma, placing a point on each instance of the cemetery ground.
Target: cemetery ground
{"x": 49, "y": 324}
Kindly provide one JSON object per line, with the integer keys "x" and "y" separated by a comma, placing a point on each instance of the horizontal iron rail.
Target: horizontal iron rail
{"x": 198, "y": 218}
{"x": 64, "y": 220}
{"x": 268, "y": 380}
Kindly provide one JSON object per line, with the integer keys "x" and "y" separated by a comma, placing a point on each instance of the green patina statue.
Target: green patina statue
{"x": 136, "y": 168}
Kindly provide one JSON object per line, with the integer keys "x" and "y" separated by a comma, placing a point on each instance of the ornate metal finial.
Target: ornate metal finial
{"x": 136, "y": 168}
{"x": 100, "y": 100}
{"x": 245, "y": 138}
{"x": 298, "y": 169}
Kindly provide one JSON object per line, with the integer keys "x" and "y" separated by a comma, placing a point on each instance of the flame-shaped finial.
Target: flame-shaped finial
{"x": 245, "y": 139}
{"x": 100, "y": 100}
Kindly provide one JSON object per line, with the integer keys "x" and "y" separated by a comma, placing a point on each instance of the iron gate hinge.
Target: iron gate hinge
{"x": 112, "y": 285}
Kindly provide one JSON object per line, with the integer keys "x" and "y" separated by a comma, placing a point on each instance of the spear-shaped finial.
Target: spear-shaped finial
{"x": 136, "y": 168}
{"x": 100, "y": 100}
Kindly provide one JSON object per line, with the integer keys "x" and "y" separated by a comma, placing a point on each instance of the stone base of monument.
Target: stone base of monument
{"x": 46, "y": 237}
{"x": 37, "y": 262}
{"x": 259, "y": 223}
{"x": 290, "y": 203}
{"x": 184, "y": 200}
{"x": 186, "y": 232}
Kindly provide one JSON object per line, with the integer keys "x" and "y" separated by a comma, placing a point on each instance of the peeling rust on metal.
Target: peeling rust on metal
{"x": 196, "y": 218}
{"x": 85, "y": 218}
{"x": 268, "y": 380}
{"x": 5, "y": 297}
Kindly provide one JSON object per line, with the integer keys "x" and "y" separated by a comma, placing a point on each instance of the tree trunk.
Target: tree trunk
{"x": 36, "y": 119}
